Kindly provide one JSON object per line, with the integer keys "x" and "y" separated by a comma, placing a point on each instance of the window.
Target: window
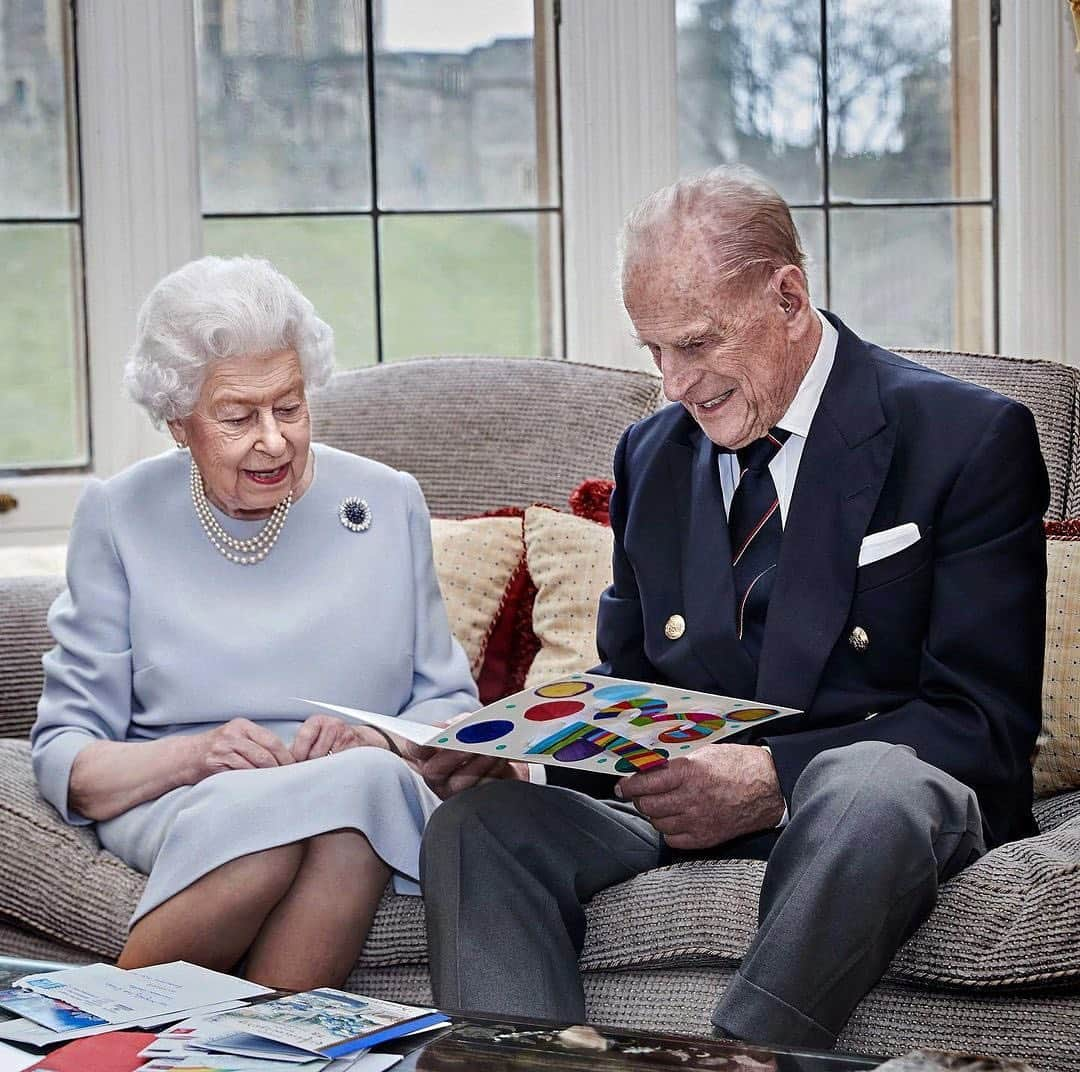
{"x": 875, "y": 122}
{"x": 42, "y": 355}
{"x": 413, "y": 196}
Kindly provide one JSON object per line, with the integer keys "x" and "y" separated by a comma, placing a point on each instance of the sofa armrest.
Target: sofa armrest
{"x": 55, "y": 879}
{"x": 24, "y": 638}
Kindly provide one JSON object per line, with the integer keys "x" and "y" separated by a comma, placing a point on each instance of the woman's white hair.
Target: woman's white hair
{"x": 215, "y": 308}
{"x": 745, "y": 224}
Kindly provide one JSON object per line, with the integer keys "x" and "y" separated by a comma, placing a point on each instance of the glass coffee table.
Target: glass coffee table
{"x": 479, "y": 1044}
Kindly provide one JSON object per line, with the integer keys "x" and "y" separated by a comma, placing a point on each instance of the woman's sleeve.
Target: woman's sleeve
{"x": 87, "y": 693}
{"x": 442, "y": 685}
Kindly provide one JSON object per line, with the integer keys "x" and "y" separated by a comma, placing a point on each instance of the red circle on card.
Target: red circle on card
{"x": 545, "y": 712}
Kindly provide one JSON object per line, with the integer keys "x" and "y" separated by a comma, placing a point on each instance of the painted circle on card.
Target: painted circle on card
{"x": 482, "y": 732}
{"x": 545, "y": 712}
{"x": 751, "y": 714}
{"x": 611, "y": 693}
{"x": 559, "y": 690}
{"x": 645, "y": 705}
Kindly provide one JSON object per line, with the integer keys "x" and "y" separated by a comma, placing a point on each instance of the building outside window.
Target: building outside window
{"x": 411, "y": 190}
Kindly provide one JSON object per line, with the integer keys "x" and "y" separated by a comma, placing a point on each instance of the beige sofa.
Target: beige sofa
{"x": 995, "y": 969}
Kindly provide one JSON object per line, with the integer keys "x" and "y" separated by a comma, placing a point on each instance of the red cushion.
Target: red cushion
{"x": 590, "y": 500}
{"x": 512, "y": 645}
{"x": 1063, "y": 530}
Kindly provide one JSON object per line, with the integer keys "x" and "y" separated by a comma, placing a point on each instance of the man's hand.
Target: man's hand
{"x": 448, "y": 772}
{"x": 710, "y": 796}
{"x": 322, "y": 734}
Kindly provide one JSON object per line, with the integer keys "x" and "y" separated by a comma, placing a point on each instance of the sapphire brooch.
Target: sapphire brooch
{"x": 355, "y": 514}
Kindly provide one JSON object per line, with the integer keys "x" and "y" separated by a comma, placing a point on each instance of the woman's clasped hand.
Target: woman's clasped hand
{"x": 241, "y": 744}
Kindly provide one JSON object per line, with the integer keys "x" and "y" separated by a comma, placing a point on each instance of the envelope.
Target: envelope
{"x": 879, "y": 545}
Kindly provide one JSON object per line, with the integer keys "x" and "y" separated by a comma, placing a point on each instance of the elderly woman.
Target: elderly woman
{"x": 208, "y": 589}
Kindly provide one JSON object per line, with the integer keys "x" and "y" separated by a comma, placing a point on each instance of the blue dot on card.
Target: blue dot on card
{"x": 482, "y": 732}
{"x": 613, "y": 693}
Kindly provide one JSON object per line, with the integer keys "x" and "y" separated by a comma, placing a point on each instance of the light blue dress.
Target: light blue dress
{"x": 158, "y": 634}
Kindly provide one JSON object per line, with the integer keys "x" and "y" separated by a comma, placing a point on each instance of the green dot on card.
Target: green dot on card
{"x": 685, "y": 697}
{"x": 510, "y": 706}
{"x": 499, "y": 747}
{"x": 443, "y": 740}
{"x": 683, "y": 747}
{"x": 601, "y": 760}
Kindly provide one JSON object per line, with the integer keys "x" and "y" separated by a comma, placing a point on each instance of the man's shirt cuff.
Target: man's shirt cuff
{"x": 786, "y": 816}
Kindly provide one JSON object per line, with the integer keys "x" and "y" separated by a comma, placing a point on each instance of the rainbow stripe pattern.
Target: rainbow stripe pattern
{"x": 580, "y": 740}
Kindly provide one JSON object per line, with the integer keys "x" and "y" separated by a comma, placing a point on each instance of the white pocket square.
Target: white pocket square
{"x": 879, "y": 545}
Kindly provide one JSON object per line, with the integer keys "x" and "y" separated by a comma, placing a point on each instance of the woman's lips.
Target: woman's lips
{"x": 267, "y": 477}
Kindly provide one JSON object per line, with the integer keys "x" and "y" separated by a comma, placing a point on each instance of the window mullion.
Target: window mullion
{"x": 620, "y": 142}
{"x": 141, "y": 191}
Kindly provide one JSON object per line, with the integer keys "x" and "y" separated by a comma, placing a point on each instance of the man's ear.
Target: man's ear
{"x": 790, "y": 284}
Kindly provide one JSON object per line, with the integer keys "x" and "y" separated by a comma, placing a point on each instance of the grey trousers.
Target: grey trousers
{"x": 507, "y": 868}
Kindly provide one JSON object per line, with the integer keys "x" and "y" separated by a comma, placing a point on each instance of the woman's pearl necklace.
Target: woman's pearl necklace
{"x": 247, "y": 552}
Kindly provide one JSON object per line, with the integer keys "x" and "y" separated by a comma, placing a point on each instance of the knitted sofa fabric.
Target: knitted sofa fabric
{"x": 1049, "y": 389}
{"x": 480, "y": 433}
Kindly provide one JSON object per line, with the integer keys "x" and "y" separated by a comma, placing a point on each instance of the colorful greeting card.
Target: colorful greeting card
{"x": 588, "y": 722}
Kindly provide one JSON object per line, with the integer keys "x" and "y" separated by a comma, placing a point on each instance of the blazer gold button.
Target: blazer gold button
{"x": 674, "y": 627}
{"x": 859, "y": 639}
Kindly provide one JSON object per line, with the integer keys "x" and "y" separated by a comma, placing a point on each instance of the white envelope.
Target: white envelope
{"x": 879, "y": 545}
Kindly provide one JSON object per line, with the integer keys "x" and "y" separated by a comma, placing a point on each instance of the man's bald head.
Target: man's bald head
{"x": 714, "y": 282}
{"x": 725, "y": 230}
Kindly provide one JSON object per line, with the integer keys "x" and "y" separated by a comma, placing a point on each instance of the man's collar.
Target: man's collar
{"x": 804, "y": 405}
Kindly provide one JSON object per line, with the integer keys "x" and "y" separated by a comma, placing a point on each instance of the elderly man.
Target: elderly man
{"x": 821, "y": 524}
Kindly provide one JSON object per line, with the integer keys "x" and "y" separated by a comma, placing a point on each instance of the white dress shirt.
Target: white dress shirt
{"x": 785, "y": 465}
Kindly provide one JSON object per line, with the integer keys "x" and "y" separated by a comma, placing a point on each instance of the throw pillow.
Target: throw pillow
{"x": 590, "y": 499}
{"x": 569, "y": 559}
{"x": 475, "y": 560}
{"x": 1057, "y": 758}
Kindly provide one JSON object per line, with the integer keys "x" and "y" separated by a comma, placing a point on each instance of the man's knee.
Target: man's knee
{"x": 889, "y": 788}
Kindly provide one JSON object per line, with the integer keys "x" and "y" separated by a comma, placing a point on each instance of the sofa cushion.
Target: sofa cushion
{"x": 1057, "y": 758}
{"x": 475, "y": 561}
{"x": 570, "y": 562}
{"x": 56, "y": 879}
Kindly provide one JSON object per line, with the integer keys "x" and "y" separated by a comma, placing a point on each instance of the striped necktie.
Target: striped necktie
{"x": 755, "y": 531}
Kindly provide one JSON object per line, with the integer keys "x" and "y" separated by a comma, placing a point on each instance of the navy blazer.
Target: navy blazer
{"x": 955, "y": 622}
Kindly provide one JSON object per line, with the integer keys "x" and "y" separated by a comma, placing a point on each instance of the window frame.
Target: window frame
{"x": 142, "y": 214}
